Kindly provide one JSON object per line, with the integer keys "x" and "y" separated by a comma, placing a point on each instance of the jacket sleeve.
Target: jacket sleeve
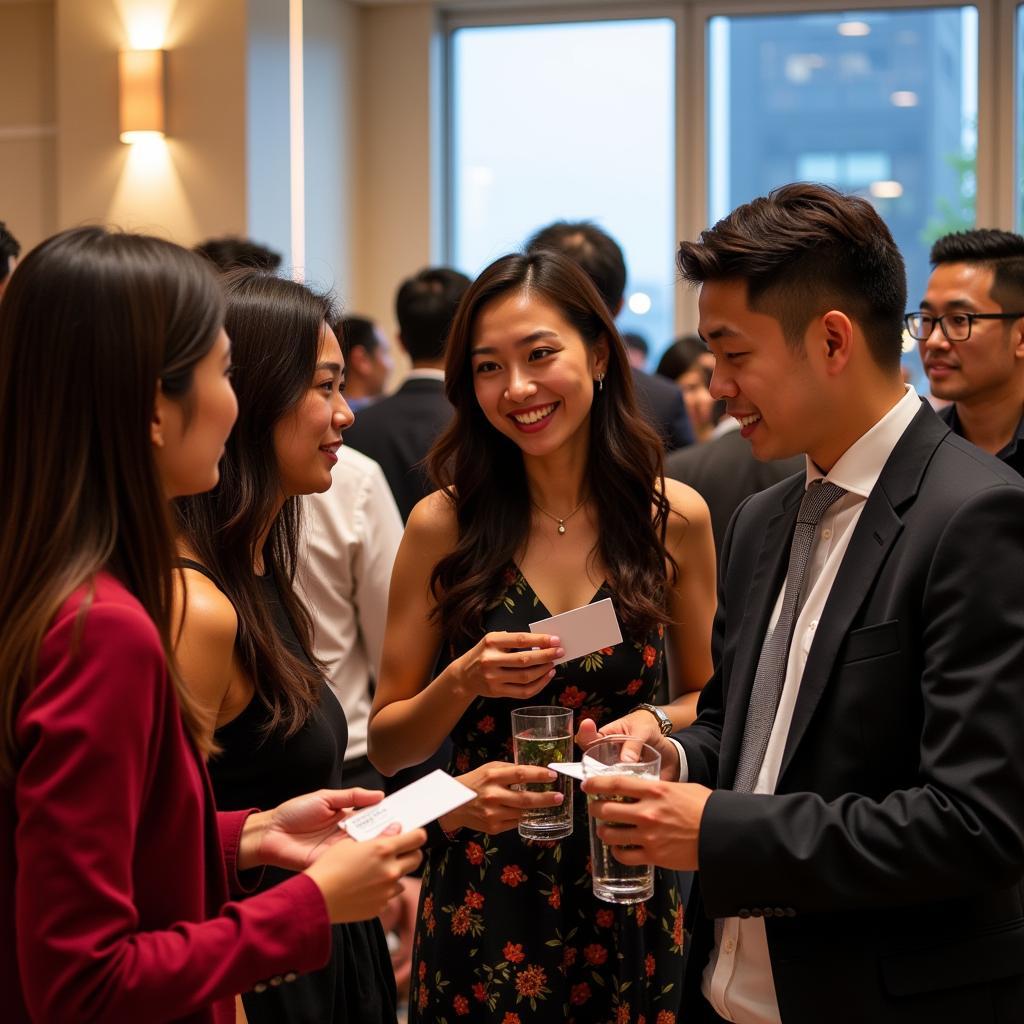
{"x": 702, "y": 740}
{"x": 961, "y": 829}
{"x": 86, "y": 783}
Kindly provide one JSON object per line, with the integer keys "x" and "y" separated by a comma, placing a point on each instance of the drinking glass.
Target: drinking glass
{"x": 615, "y": 882}
{"x": 541, "y": 735}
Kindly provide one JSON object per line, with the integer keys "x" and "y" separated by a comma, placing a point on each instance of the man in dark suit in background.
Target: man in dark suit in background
{"x": 724, "y": 472}
{"x": 852, "y": 790}
{"x": 601, "y": 258}
{"x": 397, "y": 431}
{"x": 970, "y": 330}
{"x": 9, "y": 250}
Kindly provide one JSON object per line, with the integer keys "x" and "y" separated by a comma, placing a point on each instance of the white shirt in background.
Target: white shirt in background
{"x": 351, "y": 535}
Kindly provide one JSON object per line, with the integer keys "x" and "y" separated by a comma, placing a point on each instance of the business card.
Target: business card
{"x": 413, "y": 806}
{"x": 574, "y": 769}
{"x": 583, "y": 630}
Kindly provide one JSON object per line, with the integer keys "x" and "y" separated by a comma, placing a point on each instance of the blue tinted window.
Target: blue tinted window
{"x": 569, "y": 122}
{"x": 881, "y": 103}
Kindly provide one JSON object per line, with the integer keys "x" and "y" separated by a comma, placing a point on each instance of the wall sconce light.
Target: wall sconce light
{"x": 141, "y": 77}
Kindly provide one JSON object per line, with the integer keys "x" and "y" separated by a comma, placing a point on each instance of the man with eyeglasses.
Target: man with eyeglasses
{"x": 970, "y": 330}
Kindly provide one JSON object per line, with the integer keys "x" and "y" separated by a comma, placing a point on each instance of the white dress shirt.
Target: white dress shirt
{"x": 351, "y": 535}
{"x": 738, "y": 978}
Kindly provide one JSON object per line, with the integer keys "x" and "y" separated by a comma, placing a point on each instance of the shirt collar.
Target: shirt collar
{"x": 425, "y": 373}
{"x": 860, "y": 466}
{"x": 1016, "y": 441}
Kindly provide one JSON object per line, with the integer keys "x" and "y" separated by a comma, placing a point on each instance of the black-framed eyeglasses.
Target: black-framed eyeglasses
{"x": 954, "y": 326}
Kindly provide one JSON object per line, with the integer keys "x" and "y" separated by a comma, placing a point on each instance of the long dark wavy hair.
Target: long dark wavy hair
{"x": 91, "y": 324}
{"x": 483, "y": 473}
{"x": 275, "y": 328}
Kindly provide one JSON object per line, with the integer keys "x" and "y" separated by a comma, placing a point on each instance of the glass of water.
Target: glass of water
{"x": 614, "y": 881}
{"x": 541, "y": 735}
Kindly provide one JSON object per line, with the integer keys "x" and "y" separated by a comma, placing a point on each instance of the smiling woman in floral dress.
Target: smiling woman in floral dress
{"x": 552, "y": 497}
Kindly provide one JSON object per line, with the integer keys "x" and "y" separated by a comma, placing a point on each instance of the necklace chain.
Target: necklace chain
{"x": 561, "y": 520}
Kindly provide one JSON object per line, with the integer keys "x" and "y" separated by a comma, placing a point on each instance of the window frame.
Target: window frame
{"x": 998, "y": 126}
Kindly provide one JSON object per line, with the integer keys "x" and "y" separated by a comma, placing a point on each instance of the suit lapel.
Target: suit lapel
{"x": 877, "y": 529}
{"x": 763, "y": 588}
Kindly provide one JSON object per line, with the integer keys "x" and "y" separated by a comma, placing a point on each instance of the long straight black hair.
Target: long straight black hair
{"x": 91, "y": 324}
{"x": 275, "y": 328}
{"x": 483, "y": 473}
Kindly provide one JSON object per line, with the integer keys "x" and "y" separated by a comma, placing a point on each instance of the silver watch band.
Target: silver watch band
{"x": 664, "y": 722}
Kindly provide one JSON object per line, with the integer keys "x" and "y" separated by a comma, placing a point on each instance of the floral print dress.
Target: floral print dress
{"x": 509, "y": 931}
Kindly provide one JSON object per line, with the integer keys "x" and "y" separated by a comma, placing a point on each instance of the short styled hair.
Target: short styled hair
{"x": 804, "y": 249}
{"x": 425, "y": 307}
{"x": 1003, "y": 251}
{"x": 9, "y": 246}
{"x": 231, "y": 253}
{"x": 592, "y": 249}
{"x": 356, "y": 332}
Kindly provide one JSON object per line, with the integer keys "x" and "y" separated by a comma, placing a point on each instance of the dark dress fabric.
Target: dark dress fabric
{"x": 510, "y": 932}
{"x": 256, "y": 770}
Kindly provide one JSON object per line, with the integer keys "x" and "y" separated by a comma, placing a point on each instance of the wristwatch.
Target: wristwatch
{"x": 664, "y": 722}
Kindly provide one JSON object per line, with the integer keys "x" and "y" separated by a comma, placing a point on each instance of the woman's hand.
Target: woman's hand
{"x": 508, "y": 665}
{"x": 357, "y": 879}
{"x": 498, "y": 807}
{"x": 294, "y": 834}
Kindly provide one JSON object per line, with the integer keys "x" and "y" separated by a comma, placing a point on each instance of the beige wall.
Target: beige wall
{"x": 27, "y": 116}
{"x": 369, "y": 179}
{"x": 393, "y": 229}
{"x": 189, "y": 186}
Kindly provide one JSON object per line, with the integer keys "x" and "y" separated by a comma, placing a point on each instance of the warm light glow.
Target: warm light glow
{"x": 903, "y": 98}
{"x": 886, "y": 189}
{"x": 853, "y": 28}
{"x": 142, "y": 94}
{"x": 639, "y": 303}
{"x": 134, "y": 138}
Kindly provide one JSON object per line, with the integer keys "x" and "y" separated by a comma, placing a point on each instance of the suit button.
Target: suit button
{"x": 755, "y": 911}
{"x": 276, "y": 980}
{"x": 290, "y": 976}
{"x": 780, "y": 912}
{"x": 790, "y": 912}
{"x": 260, "y": 986}
{"x": 744, "y": 913}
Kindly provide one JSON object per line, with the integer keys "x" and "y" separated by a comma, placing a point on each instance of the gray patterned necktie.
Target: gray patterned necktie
{"x": 771, "y": 667}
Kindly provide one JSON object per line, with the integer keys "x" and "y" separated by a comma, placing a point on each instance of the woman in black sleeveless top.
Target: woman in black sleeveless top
{"x": 245, "y": 642}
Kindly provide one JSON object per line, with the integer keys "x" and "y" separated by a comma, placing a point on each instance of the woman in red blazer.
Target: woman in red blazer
{"x": 116, "y": 869}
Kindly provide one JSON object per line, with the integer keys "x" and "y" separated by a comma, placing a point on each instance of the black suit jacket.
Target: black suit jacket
{"x": 888, "y": 865}
{"x": 723, "y": 471}
{"x": 662, "y": 403}
{"x": 398, "y": 431}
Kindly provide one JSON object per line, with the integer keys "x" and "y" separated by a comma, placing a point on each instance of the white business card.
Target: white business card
{"x": 413, "y": 806}
{"x": 583, "y": 630}
{"x": 574, "y": 769}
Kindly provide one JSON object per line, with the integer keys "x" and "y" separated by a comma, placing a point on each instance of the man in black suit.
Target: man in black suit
{"x": 970, "y": 330}
{"x": 854, "y": 787}
{"x": 601, "y": 259}
{"x": 397, "y": 431}
{"x": 724, "y": 472}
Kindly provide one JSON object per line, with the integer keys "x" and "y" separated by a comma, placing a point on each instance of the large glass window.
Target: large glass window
{"x": 882, "y": 103}
{"x": 1019, "y": 96}
{"x": 569, "y": 122}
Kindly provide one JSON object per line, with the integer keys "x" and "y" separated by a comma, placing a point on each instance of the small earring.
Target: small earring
{"x": 600, "y": 382}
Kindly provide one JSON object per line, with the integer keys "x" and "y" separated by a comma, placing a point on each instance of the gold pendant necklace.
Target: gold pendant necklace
{"x": 561, "y": 520}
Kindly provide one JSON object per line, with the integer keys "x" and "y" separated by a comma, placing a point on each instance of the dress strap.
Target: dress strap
{"x": 189, "y": 563}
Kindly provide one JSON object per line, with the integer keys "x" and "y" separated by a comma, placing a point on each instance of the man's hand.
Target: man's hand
{"x": 294, "y": 834}
{"x": 659, "y": 825}
{"x": 644, "y": 727}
